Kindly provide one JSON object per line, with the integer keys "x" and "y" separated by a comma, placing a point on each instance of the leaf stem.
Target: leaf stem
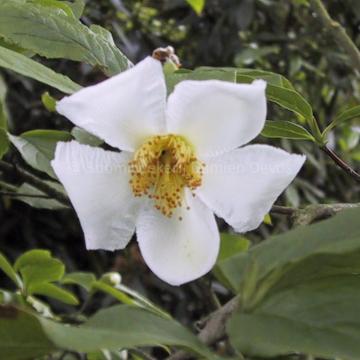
{"x": 341, "y": 163}
{"x": 340, "y": 36}
{"x": 34, "y": 181}
{"x": 214, "y": 329}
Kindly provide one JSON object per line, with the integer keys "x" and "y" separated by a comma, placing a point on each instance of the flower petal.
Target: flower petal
{"x": 97, "y": 183}
{"x": 123, "y": 110}
{"x": 242, "y": 185}
{"x": 179, "y": 251}
{"x": 217, "y": 116}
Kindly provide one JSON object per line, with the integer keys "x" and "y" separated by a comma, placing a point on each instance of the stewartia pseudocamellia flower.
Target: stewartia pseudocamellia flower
{"x": 180, "y": 163}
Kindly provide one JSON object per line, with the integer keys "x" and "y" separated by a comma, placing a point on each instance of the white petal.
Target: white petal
{"x": 97, "y": 183}
{"x": 179, "y": 251}
{"x": 123, "y": 110}
{"x": 242, "y": 185}
{"x": 217, "y": 116}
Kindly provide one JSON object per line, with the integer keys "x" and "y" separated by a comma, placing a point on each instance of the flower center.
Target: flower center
{"x": 162, "y": 167}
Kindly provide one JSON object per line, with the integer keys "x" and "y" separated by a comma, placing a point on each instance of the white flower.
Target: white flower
{"x": 180, "y": 162}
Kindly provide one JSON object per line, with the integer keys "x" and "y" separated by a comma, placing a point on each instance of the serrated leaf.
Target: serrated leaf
{"x": 285, "y": 130}
{"x": 77, "y": 7}
{"x": 51, "y": 33}
{"x": 21, "y": 64}
{"x": 279, "y": 89}
{"x": 300, "y": 291}
{"x": 8, "y": 269}
{"x": 37, "y": 147}
{"x": 334, "y": 237}
{"x": 62, "y": 5}
{"x": 53, "y": 291}
{"x": 86, "y": 280}
{"x": 319, "y": 318}
{"x": 286, "y": 98}
{"x": 173, "y": 78}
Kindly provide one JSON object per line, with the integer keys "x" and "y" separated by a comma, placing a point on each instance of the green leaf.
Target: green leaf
{"x": 285, "y": 130}
{"x": 197, "y": 5}
{"x": 7, "y": 268}
{"x": 37, "y": 266}
{"x": 117, "y": 294}
{"x": 37, "y": 147}
{"x": 21, "y": 64}
{"x": 53, "y": 291}
{"x": 21, "y": 335}
{"x": 279, "y": 89}
{"x": 230, "y": 245}
{"x": 300, "y": 291}
{"x": 48, "y": 101}
{"x": 286, "y": 98}
{"x": 77, "y": 7}
{"x": 86, "y": 280}
{"x": 3, "y": 108}
{"x": 38, "y": 199}
{"x": 84, "y": 137}
{"x": 24, "y": 335}
{"x": 4, "y": 140}
{"x": 172, "y": 79}
{"x": 143, "y": 301}
{"x": 126, "y": 326}
{"x": 62, "y": 5}
{"x": 31, "y": 257}
{"x": 343, "y": 117}
{"x": 51, "y": 33}
{"x": 4, "y": 143}
{"x": 275, "y": 256}
{"x": 320, "y": 318}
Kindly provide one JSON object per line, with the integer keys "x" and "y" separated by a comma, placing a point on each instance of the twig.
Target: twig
{"x": 214, "y": 329}
{"x": 282, "y": 210}
{"x": 340, "y": 36}
{"x": 310, "y": 213}
{"x": 34, "y": 181}
{"x": 339, "y": 33}
{"x": 208, "y": 294}
{"x": 341, "y": 163}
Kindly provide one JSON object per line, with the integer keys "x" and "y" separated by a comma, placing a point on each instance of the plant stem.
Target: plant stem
{"x": 214, "y": 329}
{"x": 34, "y": 181}
{"x": 341, "y": 163}
{"x": 340, "y": 36}
{"x": 282, "y": 210}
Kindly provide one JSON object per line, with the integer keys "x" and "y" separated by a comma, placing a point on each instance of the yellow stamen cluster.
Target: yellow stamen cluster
{"x": 161, "y": 168}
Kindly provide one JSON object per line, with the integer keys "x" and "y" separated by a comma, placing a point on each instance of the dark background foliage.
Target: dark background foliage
{"x": 281, "y": 36}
